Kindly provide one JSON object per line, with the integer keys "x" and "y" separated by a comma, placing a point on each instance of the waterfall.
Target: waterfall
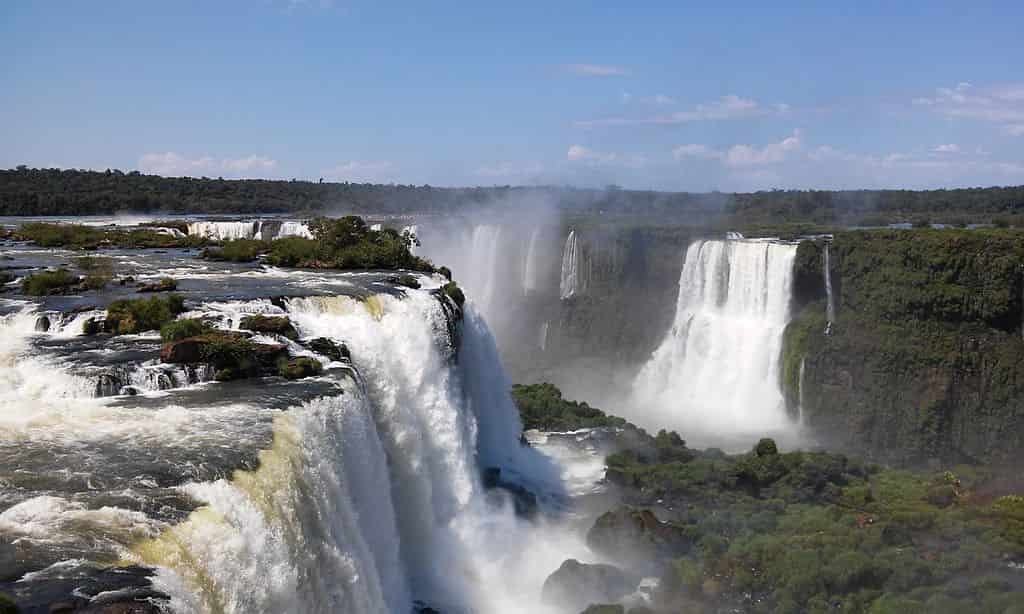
{"x": 293, "y": 229}
{"x": 482, "y": 277}
{"x": 830, "y": 308}
{"x": 530, "y": 264}
{"x": 800, "y": 393}
{"x": 223, "y": 231}
{"x": 371, "y": 499}
{"x": 569, "y": 285}
{"x": 717, "y": 369}
{"x": 543, "y": 337}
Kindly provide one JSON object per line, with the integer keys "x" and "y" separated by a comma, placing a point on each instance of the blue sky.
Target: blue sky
{"x": 671, "y": 95}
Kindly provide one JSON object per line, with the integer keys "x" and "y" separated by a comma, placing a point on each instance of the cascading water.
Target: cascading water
{"x": 223, "y": 231}
{"x": 371, "y": 499}
{"x": 830, "y": 308}
{"x": 293, "y": 229}
{"x": 569, "y": 283}
{"x": 531, "y": 266}
{"x": 485, "y": 250}
{"x": 716, "y": 373}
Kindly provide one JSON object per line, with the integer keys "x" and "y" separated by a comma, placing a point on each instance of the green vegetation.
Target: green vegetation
{"x": 298, "y": 368}
{"x": 7, "y": 606}
{"x": 177, "y": 330}
{"x": 814, "y": 532}
{"x": 59, "y": 281}
{"x": 542, "y": 407}
{"x": 924, "y": 359}
{"x": 454, "y": 292}
{"x": 26, "y": 191}
{"x": 275, "y": 325}
{"x": 238, "y": 250}
{"x": 164, "y": 284}
{"x": 347, "y": 243}
{"x": 75, "y": 236}
{"x": 98, "y": 271}
{"x": 127, "y": 317}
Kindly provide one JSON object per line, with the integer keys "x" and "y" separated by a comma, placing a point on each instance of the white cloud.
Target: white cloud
{"x": 725, "y": 108}
{"x": 1014, "y": 130}
{"x": 693, "y": 150}
{"x": 583, "y": 155}
{"x": 172, "y": 164}
{"x": 596, "y": 70}
{"x": 946, "y": 148}
{"x": 772, "y": 153}
{"x": 361, "y": 171}
{"x": 660, "y": 99}
{"x": 1001, "y": 104}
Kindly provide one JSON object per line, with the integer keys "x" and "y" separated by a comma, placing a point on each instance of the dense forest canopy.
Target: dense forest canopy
{"x": 27, "y": 191}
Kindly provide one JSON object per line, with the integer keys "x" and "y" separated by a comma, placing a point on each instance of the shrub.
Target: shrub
{"x": 298, "y": 368}
{"x": 126, "y": 317}
{"x": 276, "y": 325}
{"x": 238, "y": 250}
{"x": 177, "y": 330}
{"x": 454, "y": 292}
{"x": 541, "y": 406}
{"x": 49, "y": 282}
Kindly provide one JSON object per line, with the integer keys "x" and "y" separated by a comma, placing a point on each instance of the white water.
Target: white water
{"x": 531, "y": 266}
{"x": 293, "y": 229}
{"x": 482, "y": 279}
{"x": 223, "y": 231}
{"x": 716, "y": 372}
{"x": 372, "y": 499}
{"x": 830, "y": 308}
{"x": 569, "y": 283}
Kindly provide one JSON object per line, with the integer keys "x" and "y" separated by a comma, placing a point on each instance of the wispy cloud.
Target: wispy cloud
{"x": 725, "y": 108}
{"x": 743, "y": 155}
{"x": 595, "y": 70}
{"x": 176, "y": 165}
{"x": 584, "y": 155}
{"x": 1000, "y": 104}
{"x": 946, "y": 148}
{"x": 361, "y": 171}
{"x": 510, "y": 169}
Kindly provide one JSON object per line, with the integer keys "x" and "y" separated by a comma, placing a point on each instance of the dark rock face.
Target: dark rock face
{"x": 233, "y": 355}
{"x": 42, "y": 324}
{"x": 274, "y": 325}
{"x": 111, "y": 590}
{"x": 925, "y": 361}
{"x": 330, "y": 349}
{"x": 525, "y": 502}
{"x": 575, "y": 585}
{"x": 635, "y": 537}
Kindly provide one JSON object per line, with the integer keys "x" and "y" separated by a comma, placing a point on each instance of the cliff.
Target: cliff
{"x": 925, "y": 359}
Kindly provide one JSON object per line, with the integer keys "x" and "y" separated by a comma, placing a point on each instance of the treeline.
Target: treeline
{"x": 27, "y": 191}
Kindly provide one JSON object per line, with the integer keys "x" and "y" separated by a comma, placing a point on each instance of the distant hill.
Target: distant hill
{"x": 27, "y": 191}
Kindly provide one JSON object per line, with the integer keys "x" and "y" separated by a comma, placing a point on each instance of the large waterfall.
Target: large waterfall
{"x": 716, "y": 372}
{"x": 830, "y": 307}
{"x": 531, "y": 266}
{"x": 569, "y": 283}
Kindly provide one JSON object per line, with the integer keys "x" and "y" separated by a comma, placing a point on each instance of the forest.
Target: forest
{"x": 28, "y": 191}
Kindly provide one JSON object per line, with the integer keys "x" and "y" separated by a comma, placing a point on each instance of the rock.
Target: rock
{"x": 42, "y": 324}
{"x": 92, "y": 326}
{"x": 233, "y": 355}
{"x": 298, "y": 368}
{"x": 274, "y": 325}
{"x": 325, "y": 347}
{"x": 636, "y": 537}
{"x": 604, "y": 608}
{"x": 164, "y": 284}
{"x": 575, "y": 585}
{"x": 524, "y": 501}
{"x": 185, "y": 351}
{"x": 407, "y": 281}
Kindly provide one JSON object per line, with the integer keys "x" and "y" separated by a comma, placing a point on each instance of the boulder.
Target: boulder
{"x": 576, "y": 585}
{"x": 298, "y": 368}
{"x": 636, "y": 537}
{"x": 330, "y": 349}
{"x": 164, "y": 284}
{"x": 273, "y": 325}
{"x": 42, "y": 324}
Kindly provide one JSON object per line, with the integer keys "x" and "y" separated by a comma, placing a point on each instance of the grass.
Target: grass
{"x": 44, "y": 283}
{"x": 127, "y": 317}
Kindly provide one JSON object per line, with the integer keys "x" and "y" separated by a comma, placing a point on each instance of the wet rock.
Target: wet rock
{"x": 406, "y": 281}
{"x": 42, "y": 324}
{"x": 524, "y": 501}
{"x": 92, "y": 326}
{"x": 273, "y": 325}
{"x": 605, "y": 608}
{"x": 298, "y": 368}
{"x": 576, "y": 585}
{"x": 88, "y": 590}
{"x": 164, "y": 284}
{"x": 636, "y": 537}
{"x": 231, "y": 355}
{"x": 325, "y": 347}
